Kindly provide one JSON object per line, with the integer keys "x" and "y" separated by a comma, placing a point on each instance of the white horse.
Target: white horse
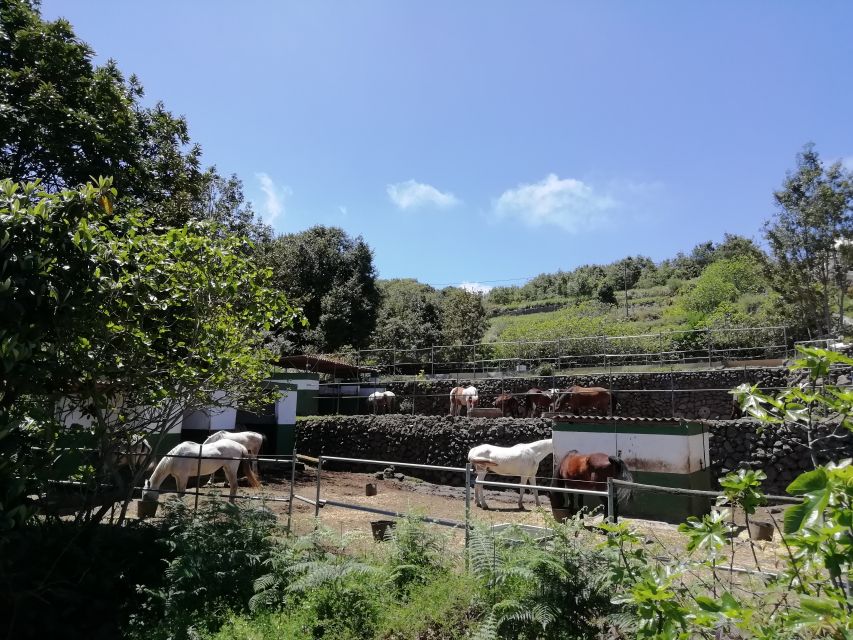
{"x": 191, "y": 459}
{"x": 519, "y": 460}
{"x": 136, "y": 455}
{"x": 460, "y": 396}
{"x": 252, "y": 440}
{"x": 382, "y": 401}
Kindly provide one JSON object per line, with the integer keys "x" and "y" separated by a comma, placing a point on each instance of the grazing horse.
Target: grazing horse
{"x": 463, "y": 396}
{"x": 252, "y": 440}
{"x": 381, "y": 401}
{"x": 584, "y": 399}
{"x": 509, "y": 405}
{"x": 588, "y": 471}
{"x": 519, "y": 460}
{"x": 191, "y": 459}
{"x": 536, "y": 401}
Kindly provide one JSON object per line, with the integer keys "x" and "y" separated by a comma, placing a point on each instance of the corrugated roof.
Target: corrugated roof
{"x": 322, "y": 364}
{"x": 562, "y": 417}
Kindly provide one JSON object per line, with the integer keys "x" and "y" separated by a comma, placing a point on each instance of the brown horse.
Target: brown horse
{"x": 588, "y": 471}
{"x": 535, "y": 402}
{"x": 584, "y": 400}
{"x": 508, "y": 404}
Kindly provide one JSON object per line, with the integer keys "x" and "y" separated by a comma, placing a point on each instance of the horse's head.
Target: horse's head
{"x": 149, "y": 494}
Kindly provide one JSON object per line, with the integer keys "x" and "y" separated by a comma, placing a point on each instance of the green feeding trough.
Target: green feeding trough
{"x": 666, "y": 452}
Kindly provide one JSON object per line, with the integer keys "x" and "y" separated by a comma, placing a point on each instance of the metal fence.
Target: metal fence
{"x": 689, "y": 348}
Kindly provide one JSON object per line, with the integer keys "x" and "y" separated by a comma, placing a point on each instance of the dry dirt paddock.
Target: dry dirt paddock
{"x": 412, "y": 495}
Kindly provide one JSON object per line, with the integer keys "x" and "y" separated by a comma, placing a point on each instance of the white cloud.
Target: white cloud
{"x": 274, "y": 197}
{"x": 411, "y": 195}
{"x": 475, "y": 287}
{"x": 343, "y": 210}
{"x": 568, "y": 203}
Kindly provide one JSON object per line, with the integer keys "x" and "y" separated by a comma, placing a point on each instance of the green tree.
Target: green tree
{"x": 814, "y": 212}
{"x": 409, "y": 316}
{"x": 127, "y": 321}
{"x": 463, "y": 317}
{"x": 723, "y": 281}
{"x": 331, "y": 276}
{"x": 65, "y": 119}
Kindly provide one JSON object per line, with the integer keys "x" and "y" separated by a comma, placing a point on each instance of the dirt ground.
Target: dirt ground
{"x": 412, "y": 495}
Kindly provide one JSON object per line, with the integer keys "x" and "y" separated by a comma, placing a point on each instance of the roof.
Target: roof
{"x": 322, "y": 364}
{"x": 560, "y": 417}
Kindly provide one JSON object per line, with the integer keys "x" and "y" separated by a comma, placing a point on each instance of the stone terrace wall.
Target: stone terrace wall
{"x": 445, "y": 440}
{"x": 687, "y": 394}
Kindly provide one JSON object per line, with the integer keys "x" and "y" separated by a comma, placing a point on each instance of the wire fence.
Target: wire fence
{"x": 689, "y": 348}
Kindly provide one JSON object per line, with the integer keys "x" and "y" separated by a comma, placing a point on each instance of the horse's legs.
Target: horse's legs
{"x": 181, "y": 484}
{"x": 522, "y": 481}
{"x": 230, "y": 470}
{"x": 481, "y": 475}
{"x": 535, "y": 491}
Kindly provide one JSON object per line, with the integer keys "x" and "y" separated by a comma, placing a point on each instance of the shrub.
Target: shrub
{"x": 214, "y": 557}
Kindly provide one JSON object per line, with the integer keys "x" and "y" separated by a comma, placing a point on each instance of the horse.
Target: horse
{"x": 135, "y": 456}
{"x": 381, "y": 401}
{"x": 508, "y": 404}
{"x": 191, "y": 459}
{"x": 460, "y": 396}
{"x": 578, "y": 399}
{"x": 252, "y": 440}
{"x": 536, "y": 401}
{"x": 519, "y": 460}
{"x": 590, "y": 472}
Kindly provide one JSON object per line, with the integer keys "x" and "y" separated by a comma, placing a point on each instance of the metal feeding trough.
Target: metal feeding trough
{"x": 513, "y": 534}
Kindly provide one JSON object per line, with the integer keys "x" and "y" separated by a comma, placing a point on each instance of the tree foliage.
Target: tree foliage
{"x": 814, "y": 213}
{"x": 331, "y": 276}
{"x": 463, "y": 317}
{"x": 119, "y": 315}
{"x": 65, "y": 119}
{"x": 409, "y": 316}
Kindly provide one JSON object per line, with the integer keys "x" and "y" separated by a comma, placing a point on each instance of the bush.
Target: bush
{"x": 213, "y": 559}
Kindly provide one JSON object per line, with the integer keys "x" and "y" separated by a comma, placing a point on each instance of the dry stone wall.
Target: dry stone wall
{"x": 686, "y": 394}
{"x": 443, "y": 440}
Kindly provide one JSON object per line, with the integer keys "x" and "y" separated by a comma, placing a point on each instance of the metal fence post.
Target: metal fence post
{"x": 467, "y": 509}
{"x": 611, "y": 501}
{"x": 317, "y": 496}
{"x": 292, "y": 482}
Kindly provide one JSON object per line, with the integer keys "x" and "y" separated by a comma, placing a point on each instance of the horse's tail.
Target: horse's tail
{"x": 246, "y": 466}
{"x": 557, "y": 498}
{"x": 623, "y": 494}
{"x": 614, "y": 404}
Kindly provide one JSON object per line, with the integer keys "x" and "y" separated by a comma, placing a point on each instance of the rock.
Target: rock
{"x": 399, "y": 476}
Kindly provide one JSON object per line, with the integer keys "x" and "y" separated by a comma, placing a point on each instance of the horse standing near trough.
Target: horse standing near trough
{"x": 189, "y": 459}
{"x": 509, "y": 405}
{"x": 584, "y": 400}
{"x": 588, "y": 471}
{"x": 535, "y": 402}
{"x": 463, "y": 396}
{"x": 381, "y": 401}
{"x": 252, "y": 440}
{"x": 519, "y": 460}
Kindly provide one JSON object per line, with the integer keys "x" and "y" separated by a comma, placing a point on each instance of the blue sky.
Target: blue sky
{"x": 485, "y": 141}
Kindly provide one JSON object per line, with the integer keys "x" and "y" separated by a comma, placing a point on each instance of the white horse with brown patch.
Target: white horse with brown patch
{"x": 519, "y": 460}
{"x": 252, "y": 440}
{"x": 463, "y": 397}
{"x": 190, "y": 459}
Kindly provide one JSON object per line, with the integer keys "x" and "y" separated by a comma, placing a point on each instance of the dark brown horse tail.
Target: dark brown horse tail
{"x": 557, "y": 498}
{"x": 623, "y": 494}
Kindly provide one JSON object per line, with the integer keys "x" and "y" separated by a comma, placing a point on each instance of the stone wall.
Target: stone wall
{"x": 445, "y": 440}
{"x": 687, "y": 394}
{"x": 437, "y": 440}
